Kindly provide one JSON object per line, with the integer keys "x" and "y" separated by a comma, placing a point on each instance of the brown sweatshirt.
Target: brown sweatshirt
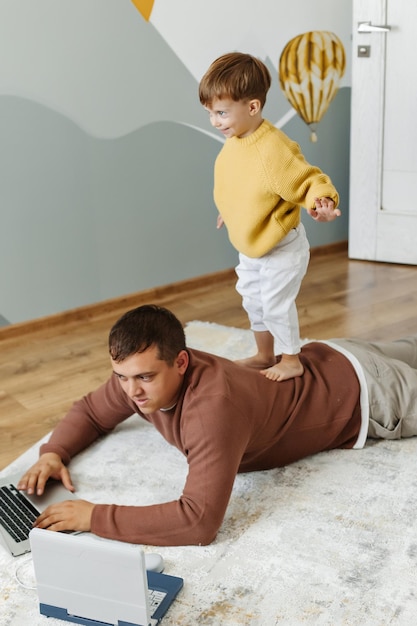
{"x": 228, "y": 419}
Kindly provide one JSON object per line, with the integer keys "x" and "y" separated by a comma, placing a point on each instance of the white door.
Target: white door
{"x": 383, "y": 162}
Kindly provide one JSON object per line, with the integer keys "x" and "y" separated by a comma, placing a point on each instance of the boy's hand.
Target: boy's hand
{"x": 324, "y": 211}
{"x": 219, "y": 221}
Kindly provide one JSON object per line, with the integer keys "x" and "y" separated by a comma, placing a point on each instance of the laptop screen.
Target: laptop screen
{"x": 99, "y": 580}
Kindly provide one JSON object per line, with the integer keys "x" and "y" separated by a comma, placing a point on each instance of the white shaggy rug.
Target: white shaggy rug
{"x": 330, "y": 540}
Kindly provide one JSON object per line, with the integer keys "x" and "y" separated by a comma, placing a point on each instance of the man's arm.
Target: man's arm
{"x": 97, "y": 414}
{"x": 197, "y": 515}
{"x": 215, "y": 438}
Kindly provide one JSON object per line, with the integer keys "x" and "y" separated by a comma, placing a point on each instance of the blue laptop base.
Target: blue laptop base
{"x": 54, "y": 611}
{"x": 171, "y": 586}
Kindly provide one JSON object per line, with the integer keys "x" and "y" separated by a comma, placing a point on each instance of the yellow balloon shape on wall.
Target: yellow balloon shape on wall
{"x": 144, "y": 7}
{"x": 310, "y": 68}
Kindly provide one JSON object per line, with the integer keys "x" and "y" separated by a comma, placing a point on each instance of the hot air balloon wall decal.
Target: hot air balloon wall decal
{"x": 310, "y": 68}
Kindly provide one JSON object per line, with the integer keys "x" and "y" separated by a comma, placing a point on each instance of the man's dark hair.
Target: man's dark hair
{"x": 143, "y": 327}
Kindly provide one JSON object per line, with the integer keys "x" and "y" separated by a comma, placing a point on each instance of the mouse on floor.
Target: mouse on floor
{"x": 154, "y": 562}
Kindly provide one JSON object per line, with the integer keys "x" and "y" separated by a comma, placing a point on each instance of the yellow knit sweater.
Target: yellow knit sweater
{"x": 260, "y": 184}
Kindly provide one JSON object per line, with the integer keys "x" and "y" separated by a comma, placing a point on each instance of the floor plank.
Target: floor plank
{"x": 44, "y": 371}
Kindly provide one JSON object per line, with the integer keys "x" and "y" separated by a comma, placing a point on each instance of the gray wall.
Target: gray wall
{"x": 107, "y": 187}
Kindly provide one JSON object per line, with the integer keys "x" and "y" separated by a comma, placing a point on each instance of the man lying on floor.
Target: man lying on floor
{"x": 224, "y": 418}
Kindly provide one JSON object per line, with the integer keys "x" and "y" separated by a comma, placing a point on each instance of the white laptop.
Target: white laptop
{"x": 96, "y": 582}
{"x": 18, "y": 510}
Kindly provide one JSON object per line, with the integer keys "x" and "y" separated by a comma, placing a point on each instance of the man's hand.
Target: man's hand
{"x": 49, "y": 465}
{"x": 219, "y": 222}
{"x": 67, "y": 515}
{"x": 324, "y": 211}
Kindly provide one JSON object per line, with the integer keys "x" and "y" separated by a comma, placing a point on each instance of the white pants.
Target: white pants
{"x": 269, "y": 287}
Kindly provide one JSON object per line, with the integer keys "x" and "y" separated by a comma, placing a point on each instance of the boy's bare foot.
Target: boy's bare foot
{"x": 290, "y": 366}
{"x": 257, "y": 361}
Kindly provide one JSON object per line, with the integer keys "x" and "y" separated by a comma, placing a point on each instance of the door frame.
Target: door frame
{"x": 366, "y": 131}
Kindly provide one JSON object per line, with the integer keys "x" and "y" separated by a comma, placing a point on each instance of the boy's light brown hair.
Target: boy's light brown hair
{"x": 237, "y": 76}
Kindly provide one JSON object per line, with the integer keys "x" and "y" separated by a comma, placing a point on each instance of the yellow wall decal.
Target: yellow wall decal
{"x": 144, "y": 7}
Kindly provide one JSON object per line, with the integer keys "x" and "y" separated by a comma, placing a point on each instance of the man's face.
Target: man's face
{"x": 235, "y": 119}
{"x": 151, "y": 383}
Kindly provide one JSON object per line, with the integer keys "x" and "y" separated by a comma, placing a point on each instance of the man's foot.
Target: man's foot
{"x": 284, "y": 370}
{"x": 257, "y": 362}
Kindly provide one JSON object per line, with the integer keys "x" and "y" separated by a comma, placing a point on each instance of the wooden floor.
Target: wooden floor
{"x": 45, "y": 367}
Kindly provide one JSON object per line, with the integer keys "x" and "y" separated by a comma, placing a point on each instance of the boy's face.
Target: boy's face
{"x": 235, "y": 119}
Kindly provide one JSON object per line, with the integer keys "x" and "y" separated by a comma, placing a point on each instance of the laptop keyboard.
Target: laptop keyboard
{"x": 17, "y": 514}
{"x": 155, "y": 599}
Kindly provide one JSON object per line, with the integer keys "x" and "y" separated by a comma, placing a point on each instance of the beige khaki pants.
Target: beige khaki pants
{"x": 390, "y": 370}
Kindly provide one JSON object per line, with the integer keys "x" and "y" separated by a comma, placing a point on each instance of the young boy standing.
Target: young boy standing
{"x": 261, "y": 181}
